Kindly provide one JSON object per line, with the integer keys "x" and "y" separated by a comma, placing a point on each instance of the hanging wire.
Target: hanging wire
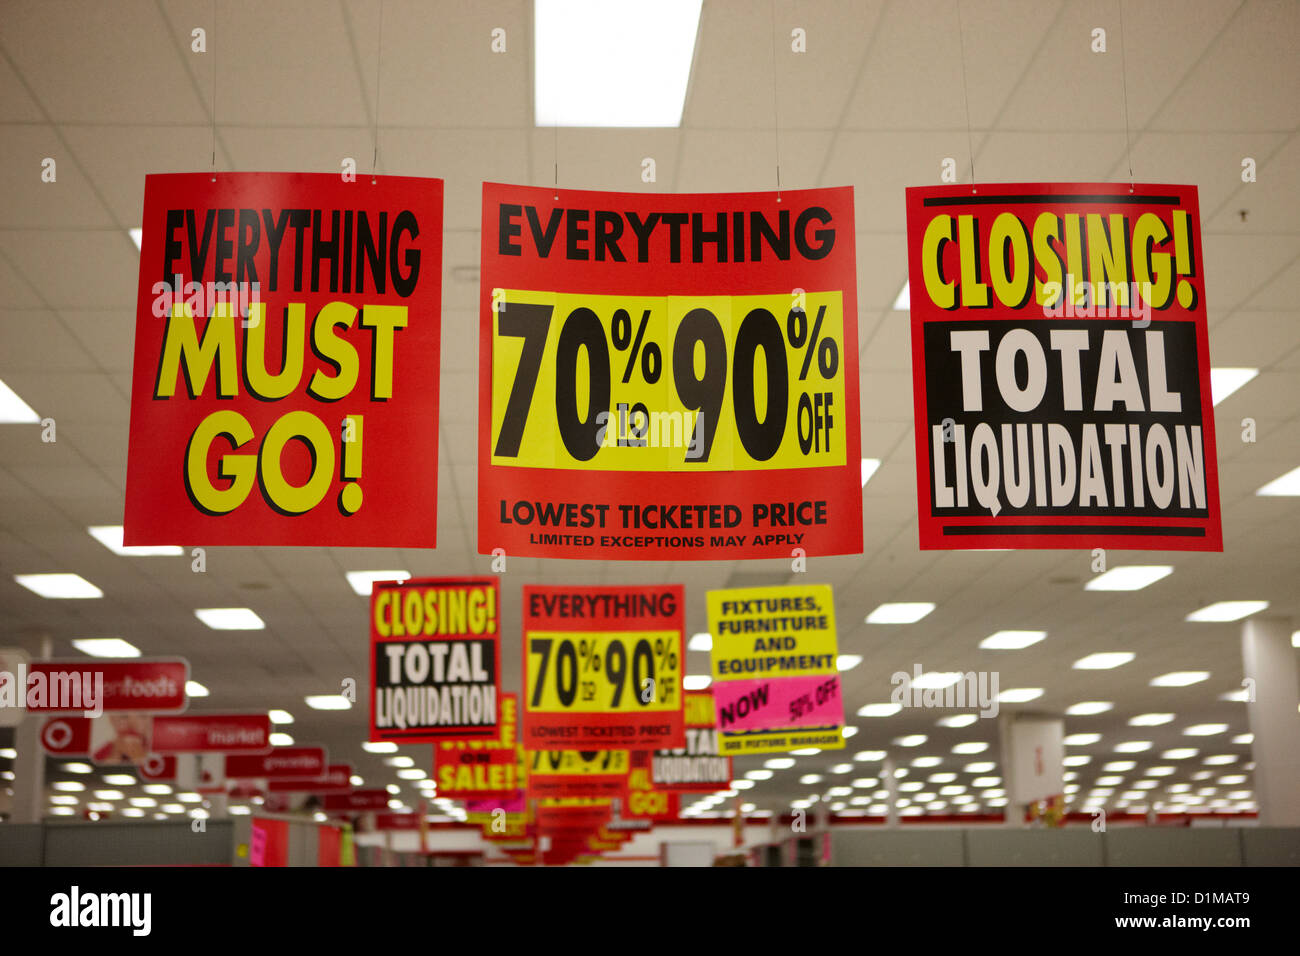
{"x": 212, "y": 52}
{"x": 379, "y": 75}
{"x": 965, "y": 95}
{"x": 776, "y": 113}
{"x": 1123, "y": 75}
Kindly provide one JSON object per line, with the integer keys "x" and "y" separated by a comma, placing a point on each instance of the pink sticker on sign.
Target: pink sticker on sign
{"x": 809, "y": 700}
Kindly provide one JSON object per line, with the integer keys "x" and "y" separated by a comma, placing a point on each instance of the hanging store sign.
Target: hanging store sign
{"x": 776, "y": 682}
{"x": 603, "y": 668}
{"x": 435, "y": 661}
{"x": 286, "y": 362}
{"x": 668, "y": 377}
{"x": 1061, "y": 368}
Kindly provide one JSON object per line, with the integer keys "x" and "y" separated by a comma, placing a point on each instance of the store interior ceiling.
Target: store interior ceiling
{"x": 878, "y": 101}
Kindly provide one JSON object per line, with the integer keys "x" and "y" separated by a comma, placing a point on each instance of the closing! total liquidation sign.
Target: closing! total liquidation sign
{"x": 435, "y": 659}
{"x": 668, "y": 377}
{"x": 1061, "y": 367}
{"x": 286, "y": 362}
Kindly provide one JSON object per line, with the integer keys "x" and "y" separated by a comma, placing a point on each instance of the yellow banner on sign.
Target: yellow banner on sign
{"x": 658, "y": 383}
{"x": 598, "y": 672}
{"x": 565, "y": 763}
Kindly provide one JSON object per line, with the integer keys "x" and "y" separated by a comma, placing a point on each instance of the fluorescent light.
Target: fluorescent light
{"x": 157, "y": 789}
{"x": 78, "y": 767}
{"x": 356, "y": 780}
{"x": 779, "y": 763}
{"x": 1086, "y": 708}
{"x": 1204, "y": 730}
{"x": 1131, "y": 577}
{"x": 903, "y": 301}
{"x": 411, "y": 773}
{"x": 1081, "y": 740}
{"x": 974, "y": 747}
{"x": 280, "y": 716}
{"x": 926, "y": 762}
{"x": 110, "y": 536}
{"x": 957, "y": 720}
{"x": 1150, "y": 720}
{"x": 194, "y": 689}
{"x": 1133, "y": 747}
{"x": 869, "y": 756}
{"x": 1225, "y": 381}
{"x": 402, "y": 761}
{"x": 69, "y": 786}
{"x": 106, "y": 647}
{"x": 1220, "y": 759}
{"x": 8, "y": 753}
{"x": 879, "y": 710}
{"x": 1020, "y": 695}
{"x": 702, "y": 641}
{"x": 230, "y": 619}
{"x": 1011, "y": 640}
{"x": 981, "y": 766}
{"x": 328, "y": 702}
{"x": 869, "y": 467}
{"x": 846, "y": 662}
{"x": 59, "y": 585}
{"x": 13, "y": 410}
{"x": 900, "y": 613}
{"x": 1103, "y": 660}
{"x": 759, "y": 774}
{"x": 936, "y": 680}
{"x": 847, "y": 731}
{"x": 1076, "y": 760}
{"x": 1237, "y": 696}
{"x": 806, "y": 751}
{"x": 111, "y": 794}
{"x": 810, "y": 778}
{"x": 1244, "y": 739}
{"x": 1288, "y": 484}
{"x": 1180, "y": 753}
{"x": 280, "y": 740}
{"x": 137, "y": 236}
{"x": 1179, "y": 678}
{"x": 362, "y": 581}
{"x": 696, "y": 681}
{"x": 1227, "y": 611}
{"x": 379, "y": 747}
{"x": 911, "y": 740}
{"x": 641, "y": 54}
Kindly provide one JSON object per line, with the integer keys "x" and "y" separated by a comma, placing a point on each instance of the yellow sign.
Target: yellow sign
{"x": 776, "y": 681}
{"x": 596, "y": 672}
{"x": 653, "y": 383}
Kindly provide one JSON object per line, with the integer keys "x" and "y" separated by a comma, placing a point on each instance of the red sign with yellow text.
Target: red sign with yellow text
{"x": 668, "y": 377}
{"x": 483, "y": 769}
{"x": 603, "y": 668}
{"x": 286, "y": 361}
{"x": 1061, "y": 367}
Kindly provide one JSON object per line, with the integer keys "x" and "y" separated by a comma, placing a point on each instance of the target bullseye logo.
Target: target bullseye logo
{"x": 154, "y": 765}
{"x": 56, "y": 735}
